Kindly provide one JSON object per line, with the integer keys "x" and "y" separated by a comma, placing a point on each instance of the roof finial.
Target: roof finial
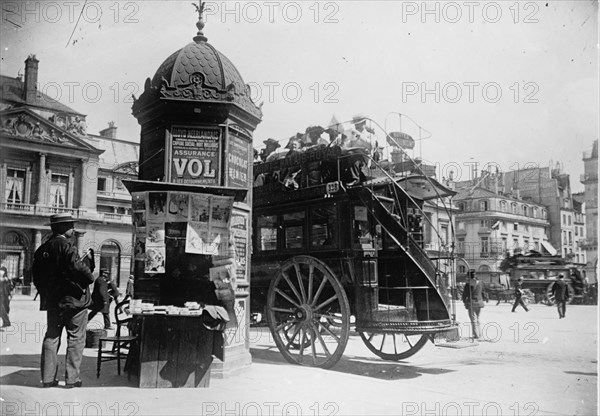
{"x": 200, "y": 24}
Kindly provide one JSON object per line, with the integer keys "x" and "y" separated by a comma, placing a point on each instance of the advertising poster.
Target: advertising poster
{"x": 200, "y": 208}
{"x": 198, "y": 240}
{"x": 157, "y": 208}
{"x": 238, "y": 335}
{"x": 239, "y": 234}
{"x": 155, "y": 259}
{"x": 155, "y": 233}
{"x": 238, "y": 157}
{"x": 178, "y": 206}
{"x": 195, "y": 155}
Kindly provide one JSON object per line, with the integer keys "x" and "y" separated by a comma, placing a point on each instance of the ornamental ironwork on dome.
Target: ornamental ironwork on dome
{"x": 199, "y": 72}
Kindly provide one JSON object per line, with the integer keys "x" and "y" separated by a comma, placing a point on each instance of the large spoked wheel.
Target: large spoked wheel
{"x": 393, "y": 347}
{"x": 303, "y": 299}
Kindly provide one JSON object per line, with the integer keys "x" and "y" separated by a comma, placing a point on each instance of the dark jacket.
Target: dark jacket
{"x": 60, "y": 277}
{"x": 519, "y": 289}
{"x": 560, "y": 290}
{"x": 100, "y": 296}
{"x": 474, "y": 294}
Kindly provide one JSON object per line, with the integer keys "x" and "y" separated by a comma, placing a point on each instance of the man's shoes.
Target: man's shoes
{"x": 50, "y": 384}
{"x": 76, "y": 384}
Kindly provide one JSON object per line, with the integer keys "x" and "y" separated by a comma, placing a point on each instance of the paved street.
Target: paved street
{"x": 531, "y": 364}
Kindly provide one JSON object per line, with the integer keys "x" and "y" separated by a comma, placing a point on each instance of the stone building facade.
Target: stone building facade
{"x": 590, "y": 180}
{"x": 490, "y": 226}
{"x": 50, "y": 164}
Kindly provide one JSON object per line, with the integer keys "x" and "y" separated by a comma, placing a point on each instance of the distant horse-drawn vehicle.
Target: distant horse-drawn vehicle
{"x": 539, "y": 272}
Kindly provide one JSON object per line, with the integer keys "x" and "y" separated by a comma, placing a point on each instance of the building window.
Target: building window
{"x": 460, "y": 247}
{"x": 569, "y": 219}
{"x": 58, "y": 191}
{"x": 544, "y": 214}
{"x": 534, "y": 213}
{"x": 525, "y": 210}
{"x": 483, "y": 205}
{"x": 503, "y": 206}
{"x": 444, "y": 234}
{"x": 570, "y": 237}
{"x": 576, "y": 231}
{"x": 485, "y": 247}
{"x": 119, "y": 184}
{"x": 462, "y": 269}
{"x": 514, "y": 208}
{"x": 564, "y": 219}
{"x": 516, "y": 226}
{"x": 102, "y": 184}
{"x": 15, "y": 184}
{"x": 460, "y": 206}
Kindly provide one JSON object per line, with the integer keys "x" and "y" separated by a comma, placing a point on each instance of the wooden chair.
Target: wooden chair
{"x": 119, "y": 341}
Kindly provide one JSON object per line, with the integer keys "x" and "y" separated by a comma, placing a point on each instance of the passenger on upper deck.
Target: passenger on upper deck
{"x": 313, "y": 137}
{"x": 271, "y": 146}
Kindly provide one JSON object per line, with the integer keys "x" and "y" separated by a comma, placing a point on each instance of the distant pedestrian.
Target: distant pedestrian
{"x": 129, "y": 288}
{"x": 519, "y": 296}
{"x": 5, "y": 296}
{"x": 560, "y": 290}
{"x": 101, "y": 300}
{"x": 473, "y": 297}
{"x": 63, "y": 282}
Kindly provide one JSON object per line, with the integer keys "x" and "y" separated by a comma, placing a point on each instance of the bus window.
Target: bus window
{"x": 267, "y": 232}
{"x": 293, "y": 230}
{"x": 323, "y": 227}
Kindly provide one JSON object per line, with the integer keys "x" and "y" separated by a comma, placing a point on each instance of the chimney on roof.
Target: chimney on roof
{"x": 110, "y": 131}
{"x": 31, "y": 79}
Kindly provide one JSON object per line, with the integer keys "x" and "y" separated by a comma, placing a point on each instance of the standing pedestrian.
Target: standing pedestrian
{"x": 561, "y": 293}
{"x": 5, "y": 295}
{"x": 519, "y": 295}
{"x": 62, "y": 281}
{"x": 473, "y": 298}
{"x": 101, "y": 300}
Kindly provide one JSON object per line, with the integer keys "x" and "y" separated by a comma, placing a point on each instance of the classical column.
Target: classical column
{"x": 2, "y": 181}
{"x": 27, "y": 198}
{"x": 79, "y": 240}
{"x": 41, "y": 196}
{"x": 88, "y": 184}
{"x": 37, "y": 239}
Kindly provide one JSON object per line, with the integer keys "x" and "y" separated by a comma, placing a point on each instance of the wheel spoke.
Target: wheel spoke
{"x": 289, "y": 282}
{"x": 327, "y": 302}
{"x": 283, "y": 324}
{"x": 395, "y": 349}
{"x": 319, "y": 290}
{"x": 329, "y": 331}
{"x": 322, "y": 342}
{"x": 299, "y": 278}
{"x": 382, "y": 342}
{"x": 310, "y": 283}
{"x": 280, "y": 292}
{"x": 327, "y": 316}
{"x": 313, "y": 344}
{"x": 302, "y": 338}
{"x": 408, "y": 340}
{"x": 283, "y": 310}
{"x": 291, "y": 339}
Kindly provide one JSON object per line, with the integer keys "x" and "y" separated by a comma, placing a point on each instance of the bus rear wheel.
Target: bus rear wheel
{"x": 304, "y": 297}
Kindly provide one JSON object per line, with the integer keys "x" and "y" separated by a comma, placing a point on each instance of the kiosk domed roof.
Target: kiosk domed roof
{"x": 198, "y": 71}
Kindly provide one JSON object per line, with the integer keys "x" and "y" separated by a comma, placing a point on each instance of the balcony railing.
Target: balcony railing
{"x": 46, "y": 211}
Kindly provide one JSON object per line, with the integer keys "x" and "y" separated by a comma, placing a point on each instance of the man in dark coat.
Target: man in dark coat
{"x": 62, "y": 281}
{"x": 101, "y": 300}
{"x": 519, "y": 295}
{"x": 473, "y": 297}
{"x": 560, "y": 290}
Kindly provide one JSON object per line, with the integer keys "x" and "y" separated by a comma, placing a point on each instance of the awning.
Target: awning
{"x": 551, "y": 250}
{"x": 424, "y": 188}
{"x": 140, "y": 186}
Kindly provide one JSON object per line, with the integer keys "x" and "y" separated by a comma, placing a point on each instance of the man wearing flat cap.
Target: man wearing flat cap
{"x": 63, "y": 283}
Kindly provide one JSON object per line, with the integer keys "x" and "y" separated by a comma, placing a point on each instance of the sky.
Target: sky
{"x": 506, "y": 83}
